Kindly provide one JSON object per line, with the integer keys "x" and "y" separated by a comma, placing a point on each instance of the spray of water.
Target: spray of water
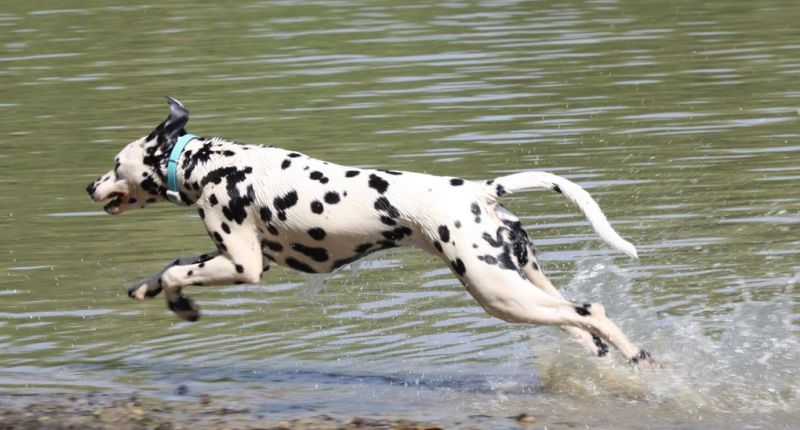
{"x": 740, "y": 360}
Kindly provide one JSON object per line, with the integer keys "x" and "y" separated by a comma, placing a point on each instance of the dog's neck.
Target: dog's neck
{"x": 195, "y": 161}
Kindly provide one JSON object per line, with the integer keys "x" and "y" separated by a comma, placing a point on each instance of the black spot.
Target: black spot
{"x": 317, "y": 233}
{"x": 286, "y": 164}
{"x": 332, "y": 197}
{"x": 557, "y": 189}
{"x": 239, "y": 268}
{"x": 520, "y": 241}
{"x": 285, "y": 202}
{"x": 398, "y": 233}
{"x": 444, "y": 233}
{"x": 351, "y": 173}
{"x": 488, "y": 259}
{"x": 202, "y": 213}
{"x": 273, "y": 246}
{"x": 317, "y": 207}
{"x": 583, "y": 310}
{"x": 152, "y": 188}
{"x": 602, "y": 348}
{"x": 496, "y": 242}
{"x": 388, "y": 220}
{"x": 236, "y": 209}
{"x": 392, "y": 172}
{"x": 227, "y": 212}
{"x": 299, "y": 265}
{"x": 457, "y": 224}
{"x": 344, "y": 261}
{"x": 294, "y": 155}
{"x": 456, "y": 182}
{"x": 185, "y": 199}
{"x": 507, "y": 262}
{"x": 225, "y": 228}
{"x": 272, "y": 229}
{"x": 364, "y": 247}
{"x": 218, "y": 237}
{"x": 475, "y": 209}
{"x": 499, "y": 190}
{"x": 378, "y": 183}
{"x": 458, "y": 267}
{"x": 212, "y": 199}
{"x": 266, "y": 214}
{"x": 438, "y": 246}
{"x": 382, "y": 204}
{"x": 190, "y": 273}
{"x": 318, "y": 176}
{"x": 316, "y": 254}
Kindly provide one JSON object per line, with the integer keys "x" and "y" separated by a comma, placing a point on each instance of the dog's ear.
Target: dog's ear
{"x": 168, "y": 131}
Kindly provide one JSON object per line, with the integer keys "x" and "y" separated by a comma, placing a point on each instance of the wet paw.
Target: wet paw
{"x": 185, "y": 308}
{"x": 143, "y": 291}
{"x": 643, "y": 360}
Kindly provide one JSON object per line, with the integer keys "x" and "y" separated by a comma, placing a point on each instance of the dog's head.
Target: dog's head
{"x": 139, "y": 174}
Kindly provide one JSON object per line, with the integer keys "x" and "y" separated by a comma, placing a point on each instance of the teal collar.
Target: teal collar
{"x": 172, "y": 168}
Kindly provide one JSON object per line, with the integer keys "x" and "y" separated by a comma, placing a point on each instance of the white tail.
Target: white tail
{"x": 573, "y": 192}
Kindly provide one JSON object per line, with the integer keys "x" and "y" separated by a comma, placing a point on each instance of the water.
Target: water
{"x": 681, "y": 118}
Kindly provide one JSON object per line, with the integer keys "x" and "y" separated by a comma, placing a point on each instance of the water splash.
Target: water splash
{"x": 744, "y": 363}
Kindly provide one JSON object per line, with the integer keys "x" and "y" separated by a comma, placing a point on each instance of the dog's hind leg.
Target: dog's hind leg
{"x": 525, "y": 256}
{"x": 483, "y": 259}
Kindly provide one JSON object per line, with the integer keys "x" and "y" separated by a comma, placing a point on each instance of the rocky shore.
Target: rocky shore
{"x": 99, "y": 412}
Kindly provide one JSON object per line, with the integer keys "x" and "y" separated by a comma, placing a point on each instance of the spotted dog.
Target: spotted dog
{"x": 263, "y": 205}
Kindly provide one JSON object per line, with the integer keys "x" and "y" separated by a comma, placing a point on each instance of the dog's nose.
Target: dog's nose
{"x": 90, "y": 188}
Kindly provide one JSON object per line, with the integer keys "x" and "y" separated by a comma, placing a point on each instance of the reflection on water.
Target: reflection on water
{"x": 680, "y": 119}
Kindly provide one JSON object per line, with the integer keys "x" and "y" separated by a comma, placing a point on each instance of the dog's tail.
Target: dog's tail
{"x": 572, "y": 191}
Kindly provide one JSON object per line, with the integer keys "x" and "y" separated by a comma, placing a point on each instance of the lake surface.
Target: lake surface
{"x": 681, "y": 118}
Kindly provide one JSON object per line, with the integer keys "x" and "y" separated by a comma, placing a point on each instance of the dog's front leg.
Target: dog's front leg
{"x": 240, "y": 261}
{"x": 151, "y": 287}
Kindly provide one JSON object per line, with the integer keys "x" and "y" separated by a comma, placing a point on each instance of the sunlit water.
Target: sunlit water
{"x": 681, "y": 118}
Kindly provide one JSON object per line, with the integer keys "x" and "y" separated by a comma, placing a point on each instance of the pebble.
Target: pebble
{"x": 525, "y": 419}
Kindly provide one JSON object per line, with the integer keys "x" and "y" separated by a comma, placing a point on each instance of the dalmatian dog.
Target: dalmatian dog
{"x": 263, "y": 205}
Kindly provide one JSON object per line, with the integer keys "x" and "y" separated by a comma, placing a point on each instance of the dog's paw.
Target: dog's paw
{"x": 143, "y": 291}
{"x": 643, "y": 360}
{"x": 185, "y": 308}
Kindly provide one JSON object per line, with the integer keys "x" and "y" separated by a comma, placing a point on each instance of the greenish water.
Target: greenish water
{"x": 680, "y": 117}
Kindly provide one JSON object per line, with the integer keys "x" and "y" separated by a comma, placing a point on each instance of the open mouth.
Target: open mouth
{"x": 113, "y": 207}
